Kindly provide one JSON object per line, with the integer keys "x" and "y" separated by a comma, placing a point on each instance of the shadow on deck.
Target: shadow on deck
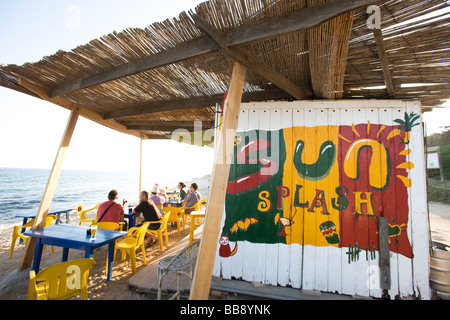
{"x": 145, "y": 281}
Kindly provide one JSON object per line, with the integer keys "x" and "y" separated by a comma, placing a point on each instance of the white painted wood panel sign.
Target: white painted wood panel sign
{"x": 306, "y": 187}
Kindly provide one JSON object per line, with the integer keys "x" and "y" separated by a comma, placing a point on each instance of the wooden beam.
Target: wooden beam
{"x": 381, "y": 49}
{"x": 223, "y": 154}
{"x": 295, "y": 21}
{"x": 304, "y": 19}
{"x": 184, "y": 104}
{"x": 168, "y": 128}
{"x": 249, "y": 60}
{"x": 205, "y": 123}
{"x": 156, "y": 137}
{"x": 88, "y": 114}
{"x": 47, "y": 198}
{"x": 169, "y": 56}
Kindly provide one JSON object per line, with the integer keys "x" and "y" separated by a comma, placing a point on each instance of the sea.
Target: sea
{"x": 21, "y": 190}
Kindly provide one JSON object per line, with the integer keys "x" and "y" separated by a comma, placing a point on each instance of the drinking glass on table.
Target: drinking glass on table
{"x": 93, "y": 231}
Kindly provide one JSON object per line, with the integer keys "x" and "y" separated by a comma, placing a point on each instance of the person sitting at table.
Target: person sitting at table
{"x": 192, "y": 198}
{"x": 162, "y": 194}
{"x": 150, "y": 212}
{"x": 158, "y": 200}
{"x": 110, "y": 211}
{"x": 181, "y": 186}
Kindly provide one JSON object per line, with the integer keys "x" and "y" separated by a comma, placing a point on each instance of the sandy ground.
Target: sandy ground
{"x": 14, "y": 284}
{"x": 439, "y": 214}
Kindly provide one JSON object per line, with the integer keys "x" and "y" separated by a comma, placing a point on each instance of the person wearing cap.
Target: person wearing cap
{"x": 158, "y": 200}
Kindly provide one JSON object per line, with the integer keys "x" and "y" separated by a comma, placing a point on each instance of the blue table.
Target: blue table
{"x": 71, "y": 236}
{"x": 175, "y": 203}
{"x": 131, "y": 217}
{"x": 28, "y": 215}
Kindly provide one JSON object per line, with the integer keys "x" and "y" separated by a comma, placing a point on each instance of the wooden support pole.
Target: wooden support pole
{"x": 384, "y": 261}
{"x": 381, "y": 49}
{"x": 140, "y": 167}
{"x": 47, "y": 198}
{"x": 207, "y": 252}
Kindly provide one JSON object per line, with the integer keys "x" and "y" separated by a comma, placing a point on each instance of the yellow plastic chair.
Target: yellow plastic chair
{"x": 17, "y": 233}
{"x": 195, "y": 207}
{"x": 109, "y": 225}
{"x": 132, "y": 241}
{"x": 82, "y": 213}
{"x": 159, "y": 232}
{"x": 176, "y": 215}
{"x": 61, "y": 281}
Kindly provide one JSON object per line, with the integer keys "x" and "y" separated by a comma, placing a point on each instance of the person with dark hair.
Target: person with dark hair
{"x": 150, "y": 212}
{"x": 110, "y": 211}
{"x": 192, "y": 197}
{"x": 181, "y": 186}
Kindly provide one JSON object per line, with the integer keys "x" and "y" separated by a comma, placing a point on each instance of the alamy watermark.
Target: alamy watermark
{"x": 374, "y": 19}
{"x": 74, "y": 277}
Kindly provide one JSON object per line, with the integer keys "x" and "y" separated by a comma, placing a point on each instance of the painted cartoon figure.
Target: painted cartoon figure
{"x": 225, "y": 249}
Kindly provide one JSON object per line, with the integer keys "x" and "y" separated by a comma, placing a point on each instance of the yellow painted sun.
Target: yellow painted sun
{"x": 379, "y": 166}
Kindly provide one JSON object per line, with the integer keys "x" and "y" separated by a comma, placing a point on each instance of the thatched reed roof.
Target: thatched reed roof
{"x": 149, "y": 81}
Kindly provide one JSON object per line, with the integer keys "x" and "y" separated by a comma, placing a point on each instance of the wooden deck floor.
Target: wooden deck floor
{"x": 146, "y": 280}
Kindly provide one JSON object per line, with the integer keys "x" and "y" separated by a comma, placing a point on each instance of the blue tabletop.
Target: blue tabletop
{"x": 33, "y": 214}
{"x": 75, "y": 234}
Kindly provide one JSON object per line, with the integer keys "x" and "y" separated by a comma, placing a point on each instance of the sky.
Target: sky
{"x": 31, "y": 129}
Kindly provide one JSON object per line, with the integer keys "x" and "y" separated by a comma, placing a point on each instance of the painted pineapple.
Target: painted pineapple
{"x": 407, "y": 124}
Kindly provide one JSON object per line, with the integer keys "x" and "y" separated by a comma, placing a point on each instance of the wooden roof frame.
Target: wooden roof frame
{"x": 307, "y": 18}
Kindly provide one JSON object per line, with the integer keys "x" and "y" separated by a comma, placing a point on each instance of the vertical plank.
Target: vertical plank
{"x": 386, "y": 118}
{"x": 335, "y": 256}
{"x": 371, "y": 258}
{"x": 284, "y": 250}
{"x": 419, "y": 211}
{"x": 404, "y": 264}
{"x": 362, "y": 184}
{"x": 264, "y": 259}
{"x": 272, "y": 250}
{"x": 309, "y": 252}
{"x": 205, "y": 262}
{"x": 47, "y": 198}
{"x": 297, "y": 260}
{"x": 383, "y": 237}
{"x": 322, "y": 251}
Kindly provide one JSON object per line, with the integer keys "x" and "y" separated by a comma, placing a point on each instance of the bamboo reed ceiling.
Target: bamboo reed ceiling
{"x": 124, "y": 76}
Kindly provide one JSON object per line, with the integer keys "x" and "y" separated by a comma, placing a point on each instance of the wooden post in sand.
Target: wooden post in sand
{"x": 27, "y": 257}
{"x": 140, "y": 167}
{"x": 205, "y": 262}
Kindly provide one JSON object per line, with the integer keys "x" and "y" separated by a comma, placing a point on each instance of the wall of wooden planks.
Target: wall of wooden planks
{"x": 308, "y": 184}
